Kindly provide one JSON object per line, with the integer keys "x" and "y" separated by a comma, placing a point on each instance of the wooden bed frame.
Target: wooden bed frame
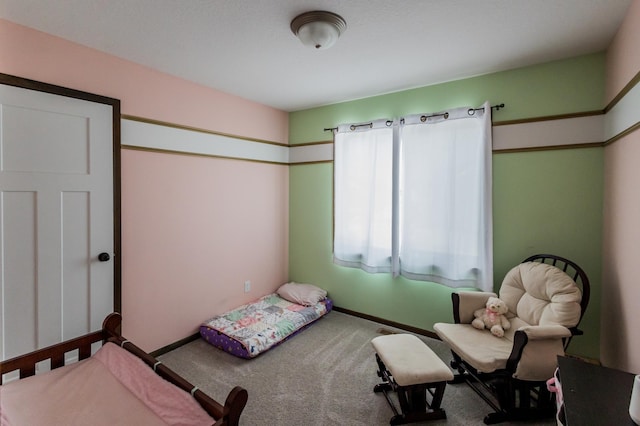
{"x": 224, "y": 415}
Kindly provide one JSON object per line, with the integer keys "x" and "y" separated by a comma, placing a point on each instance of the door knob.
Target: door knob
{"x": 104, "y": 257}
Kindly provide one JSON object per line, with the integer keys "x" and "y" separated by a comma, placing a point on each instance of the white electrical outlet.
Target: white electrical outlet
{"x": 247, "y": 286}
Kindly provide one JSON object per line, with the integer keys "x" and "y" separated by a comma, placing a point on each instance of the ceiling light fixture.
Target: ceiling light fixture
{"x": 318, "y": 29}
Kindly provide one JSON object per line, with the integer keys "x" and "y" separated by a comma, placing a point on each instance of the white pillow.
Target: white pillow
{"x": 302, "y": 294}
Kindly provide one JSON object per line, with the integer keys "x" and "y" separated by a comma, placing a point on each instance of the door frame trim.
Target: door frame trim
{"x": 12, "y": 80}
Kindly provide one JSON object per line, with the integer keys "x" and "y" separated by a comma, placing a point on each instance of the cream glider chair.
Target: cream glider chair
{"x": 547, "y": 296}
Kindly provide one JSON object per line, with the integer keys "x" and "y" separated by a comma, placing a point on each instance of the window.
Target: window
{"x": 413, "y": 197}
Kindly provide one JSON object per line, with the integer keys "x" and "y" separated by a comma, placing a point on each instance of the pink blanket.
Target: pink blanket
{"x": 113, "y": 387}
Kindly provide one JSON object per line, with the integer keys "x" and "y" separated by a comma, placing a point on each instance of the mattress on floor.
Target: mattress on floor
{"x": 256, "y": 327}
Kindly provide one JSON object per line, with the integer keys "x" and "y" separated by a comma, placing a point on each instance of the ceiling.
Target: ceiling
{"x": 246, "y": 48}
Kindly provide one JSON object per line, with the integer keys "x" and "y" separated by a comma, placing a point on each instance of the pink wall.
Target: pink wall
{"x": 620, "y": 341}
{"x": 143, "y": 91}
{"x": 193, "y": 228}
{"x": 623, "y": 55}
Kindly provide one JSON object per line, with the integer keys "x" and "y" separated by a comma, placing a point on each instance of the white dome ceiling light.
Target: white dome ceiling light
{"x": 318, "y": 29}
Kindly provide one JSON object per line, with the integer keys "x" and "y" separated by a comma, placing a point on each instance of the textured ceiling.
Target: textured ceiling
{"x": 246, "y": 48}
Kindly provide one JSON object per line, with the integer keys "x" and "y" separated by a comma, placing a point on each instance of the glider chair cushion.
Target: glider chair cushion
{"x": 541, "y": 294}
{"x": 545, "y": 306}
{"x": 483, "y": 351}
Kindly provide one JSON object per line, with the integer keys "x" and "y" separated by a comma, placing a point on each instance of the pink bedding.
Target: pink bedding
{"x": 113, "y": 387}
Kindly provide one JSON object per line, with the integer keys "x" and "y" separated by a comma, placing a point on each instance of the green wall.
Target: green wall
{"x": 544, "y": 201}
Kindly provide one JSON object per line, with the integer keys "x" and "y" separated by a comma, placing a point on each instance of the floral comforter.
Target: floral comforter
{"x": 251, "y": 329}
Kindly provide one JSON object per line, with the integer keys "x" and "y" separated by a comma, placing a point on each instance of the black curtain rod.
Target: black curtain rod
{"x": 470, "y": 111}
{"x": 496, "y": 107}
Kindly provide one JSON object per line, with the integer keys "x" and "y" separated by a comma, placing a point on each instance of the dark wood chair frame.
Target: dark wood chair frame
{"x": 224, "y": 415}
{"x": 511, "y": 398}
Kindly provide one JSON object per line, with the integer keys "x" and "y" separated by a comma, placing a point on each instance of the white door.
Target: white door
{"x": 56, "y": 217}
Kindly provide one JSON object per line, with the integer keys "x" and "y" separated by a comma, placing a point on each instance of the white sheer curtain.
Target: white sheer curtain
{"x": 445, "y": 198}
{"x": 414, "y": 197}
{"x": 362, "y": 194}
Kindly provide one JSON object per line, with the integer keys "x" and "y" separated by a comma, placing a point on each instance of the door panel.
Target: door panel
{"x": 19, "y": 289}
{"x": 56, "y": 216}
{"x": 31, "y": 130}
{"x": 76, "y": 270}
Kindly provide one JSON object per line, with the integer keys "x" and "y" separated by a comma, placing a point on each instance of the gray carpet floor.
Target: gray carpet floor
{"x": 323, "y": 376}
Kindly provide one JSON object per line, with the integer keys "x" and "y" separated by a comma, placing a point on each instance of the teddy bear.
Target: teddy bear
{"x": 493, "y": 317}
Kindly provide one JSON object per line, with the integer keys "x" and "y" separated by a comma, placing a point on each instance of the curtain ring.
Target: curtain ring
{"x": 471, "y": 111}
{"x": 446, "y": 115}
{"x": 352, "y": 127}
{"x": 423, "y": 118}
{"x": 389, "y": 123}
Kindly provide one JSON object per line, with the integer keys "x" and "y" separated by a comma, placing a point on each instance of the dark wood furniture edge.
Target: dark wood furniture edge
{"x": 455, "y": 301}
{"x": 585, "y": 402}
